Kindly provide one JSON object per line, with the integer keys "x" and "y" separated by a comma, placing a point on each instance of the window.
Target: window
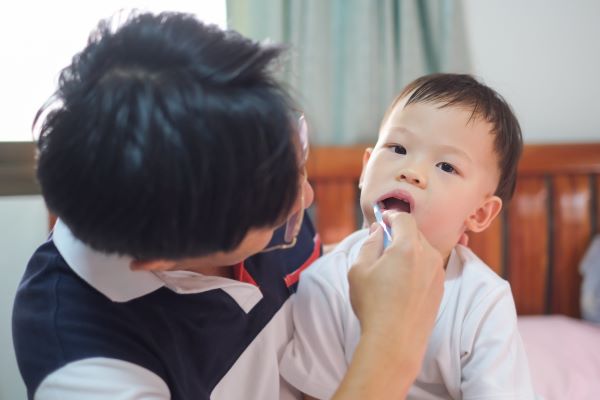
{"x": 37, "y": 40}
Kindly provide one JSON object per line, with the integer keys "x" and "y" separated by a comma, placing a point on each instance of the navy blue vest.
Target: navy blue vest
{"x": 190, "y": 341}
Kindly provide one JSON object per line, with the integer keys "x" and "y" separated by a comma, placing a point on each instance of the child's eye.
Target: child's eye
{"x": 399, "y": 149}
{"x": 446, "y": 167}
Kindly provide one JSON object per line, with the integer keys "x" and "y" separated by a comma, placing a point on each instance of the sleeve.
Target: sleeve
{"x": 315, "y": 360}
{"x": 102, "y": 379}
{"x": 493, "y": 360}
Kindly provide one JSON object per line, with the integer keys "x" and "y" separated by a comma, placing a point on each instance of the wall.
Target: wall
{"x": 36, "y": 48}
{"x": 24, "y": 227}
{"x": 542, "y": 55}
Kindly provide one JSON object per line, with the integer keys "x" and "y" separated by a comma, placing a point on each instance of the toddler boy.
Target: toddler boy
{"x": 447, "y": 153}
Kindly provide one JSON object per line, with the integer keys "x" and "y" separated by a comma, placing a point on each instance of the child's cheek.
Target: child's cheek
{"x": 439, "y": 230}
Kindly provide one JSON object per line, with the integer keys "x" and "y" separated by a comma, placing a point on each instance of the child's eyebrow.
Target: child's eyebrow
{"x": 401, "y": 129}
{"x": 440, "y": 148}
{"x": 447, "y": 149}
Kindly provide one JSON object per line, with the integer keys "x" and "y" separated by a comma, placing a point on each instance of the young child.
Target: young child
{"x": 447, "y": 154}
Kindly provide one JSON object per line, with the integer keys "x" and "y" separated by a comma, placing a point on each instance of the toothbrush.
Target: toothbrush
{"x": 387, "y": 232}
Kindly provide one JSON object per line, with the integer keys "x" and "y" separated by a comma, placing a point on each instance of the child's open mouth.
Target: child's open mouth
{"x": 400, "y": 202}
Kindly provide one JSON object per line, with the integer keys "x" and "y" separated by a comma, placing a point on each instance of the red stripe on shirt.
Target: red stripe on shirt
{"x": 293, "y": 277}
{"x": 241, "y": 274}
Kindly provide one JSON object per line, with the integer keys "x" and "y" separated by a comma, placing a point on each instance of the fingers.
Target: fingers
{"x": 371, "y": 249}
{"x": 408, "y": 277}
{"x": 407, "y": 240}
{"x": 404, "y": 228}
{"x": 358, "y": 276}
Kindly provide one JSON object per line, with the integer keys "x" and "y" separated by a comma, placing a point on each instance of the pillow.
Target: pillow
{"x": 564, "y": 356}
{"x": 590, "y": 285}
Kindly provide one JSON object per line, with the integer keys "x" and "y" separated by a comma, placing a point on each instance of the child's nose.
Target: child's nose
{"x": 413, "y": 177}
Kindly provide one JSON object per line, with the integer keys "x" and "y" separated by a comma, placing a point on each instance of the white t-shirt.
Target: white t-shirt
{"x": 475, "y": 350}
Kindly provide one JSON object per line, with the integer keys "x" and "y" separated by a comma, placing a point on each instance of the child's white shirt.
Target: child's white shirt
{"x": 474, "y": 352}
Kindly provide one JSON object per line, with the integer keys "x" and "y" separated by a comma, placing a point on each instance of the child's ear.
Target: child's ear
{"x": 484, "y": 215}
{"x": 365, "y": 160}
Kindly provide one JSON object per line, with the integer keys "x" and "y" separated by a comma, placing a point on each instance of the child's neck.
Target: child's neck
{"x": 446, "y": 259}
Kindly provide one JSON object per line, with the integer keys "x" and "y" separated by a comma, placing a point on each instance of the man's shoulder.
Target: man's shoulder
{"x": 101, "y": 378}
{"x": 77, "y": 321}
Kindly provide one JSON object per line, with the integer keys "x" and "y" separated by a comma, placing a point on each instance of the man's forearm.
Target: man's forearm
{"x": 379, "y": 371}
{"x": 395, "y": 295}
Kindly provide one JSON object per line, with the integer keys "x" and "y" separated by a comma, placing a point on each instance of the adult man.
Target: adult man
{"x": 171, "y": 157}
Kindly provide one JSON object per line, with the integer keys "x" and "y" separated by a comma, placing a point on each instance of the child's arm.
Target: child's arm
{"x": 315, "y": 360}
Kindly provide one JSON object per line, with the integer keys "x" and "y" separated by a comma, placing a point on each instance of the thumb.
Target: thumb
{"x": 371, "y": 249}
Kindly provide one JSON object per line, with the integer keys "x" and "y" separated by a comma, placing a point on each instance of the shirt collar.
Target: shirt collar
{"x": 111, "y": 275}
{"x": 453, "y": 272}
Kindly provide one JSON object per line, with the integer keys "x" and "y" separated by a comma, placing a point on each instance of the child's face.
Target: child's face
{"x": 436, "y": 164}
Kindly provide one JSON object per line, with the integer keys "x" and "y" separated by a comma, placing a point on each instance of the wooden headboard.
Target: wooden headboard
{"x": 536, "y": 243}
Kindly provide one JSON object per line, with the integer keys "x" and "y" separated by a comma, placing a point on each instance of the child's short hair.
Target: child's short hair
{"x": 460, "y": 90}
{"x": 168, "y": 138}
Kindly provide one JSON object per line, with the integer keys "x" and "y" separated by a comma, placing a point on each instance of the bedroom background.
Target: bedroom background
{"x": 347, "y": 60}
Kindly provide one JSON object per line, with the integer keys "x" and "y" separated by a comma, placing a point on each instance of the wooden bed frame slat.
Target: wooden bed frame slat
{"x": 596, "y": 203}
{"x": 340, "y": 216}
{"x": 528, "y": 255}
{"x": 489, "y": 243}
{"x": 544, "y": 159}
{"x": 571, "y": 233}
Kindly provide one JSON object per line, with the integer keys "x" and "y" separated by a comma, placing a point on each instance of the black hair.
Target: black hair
{"x": 464, "y": 90}
{"x": 168, "y": 138}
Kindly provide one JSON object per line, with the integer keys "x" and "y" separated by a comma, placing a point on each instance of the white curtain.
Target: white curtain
{"x": 349, "y": 58}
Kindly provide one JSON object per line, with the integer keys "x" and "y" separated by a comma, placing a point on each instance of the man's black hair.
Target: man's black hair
{"x": 168, "y": 138}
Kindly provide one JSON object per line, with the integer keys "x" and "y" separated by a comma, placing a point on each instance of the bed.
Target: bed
{"x": 536, "y": 244}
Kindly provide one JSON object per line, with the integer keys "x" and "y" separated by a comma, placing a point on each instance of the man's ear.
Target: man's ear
{"x": 151, "y": 265}
{"x": 484, "y": 215}
{"x": 365, "y": 160}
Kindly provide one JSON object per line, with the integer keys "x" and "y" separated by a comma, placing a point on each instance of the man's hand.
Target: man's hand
{"x": 399, "y": 287}
{"x": 396, "y": 294}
